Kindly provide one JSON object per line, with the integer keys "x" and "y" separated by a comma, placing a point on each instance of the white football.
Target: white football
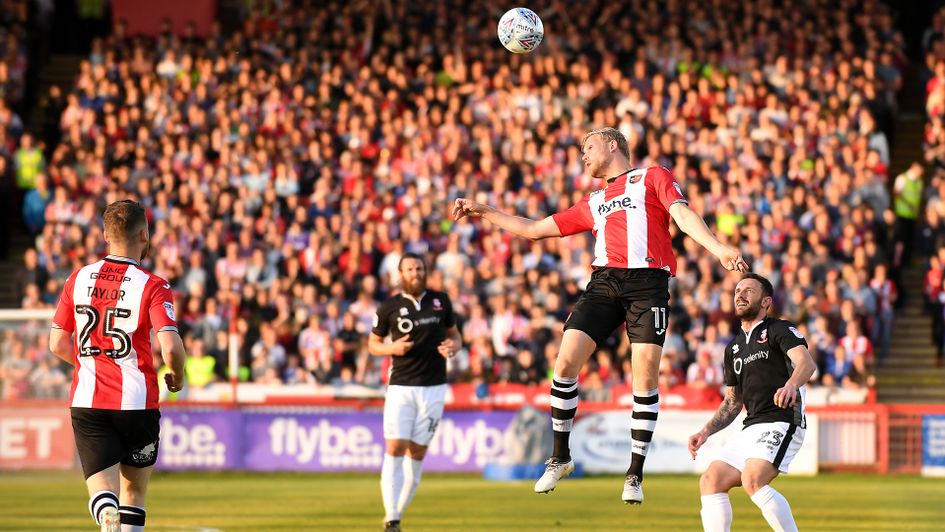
{"x": 520, "y": 30}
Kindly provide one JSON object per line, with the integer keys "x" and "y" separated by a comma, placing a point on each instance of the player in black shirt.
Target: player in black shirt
{"x": 766, "y": 368}
{"x": 420, "y": 323}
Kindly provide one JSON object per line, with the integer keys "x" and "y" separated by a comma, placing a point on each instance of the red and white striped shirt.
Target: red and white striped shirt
{"x": 857, "y": 345}
{"x": 629, "y": 219}
{"x": 111, "y": 306}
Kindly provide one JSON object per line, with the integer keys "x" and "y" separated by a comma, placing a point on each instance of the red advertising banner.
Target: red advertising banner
{"x": 36, "y": 438}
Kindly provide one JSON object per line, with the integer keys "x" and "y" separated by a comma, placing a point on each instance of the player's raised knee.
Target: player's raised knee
{"x": 711, "y": 482}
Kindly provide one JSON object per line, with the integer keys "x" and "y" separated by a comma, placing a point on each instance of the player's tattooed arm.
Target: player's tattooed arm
{"x": 729, "y": 409}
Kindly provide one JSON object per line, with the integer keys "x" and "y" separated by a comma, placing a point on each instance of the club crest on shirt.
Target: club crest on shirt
{"x": 403, "y": 311}
{"x": 169, "y": 310}
{"x": 436, "y": 304}
{"x": 763, "y": 337}
{"x": 735, "y": 349}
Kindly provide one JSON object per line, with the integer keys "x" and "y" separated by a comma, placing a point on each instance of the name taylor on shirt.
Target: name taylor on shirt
{"x": 106, "y": 293}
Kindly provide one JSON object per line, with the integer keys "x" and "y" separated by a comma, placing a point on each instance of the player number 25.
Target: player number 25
{"x": 123, "y": 347}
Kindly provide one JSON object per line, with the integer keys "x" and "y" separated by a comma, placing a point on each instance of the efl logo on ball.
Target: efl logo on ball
{"x": 520, "y": 30}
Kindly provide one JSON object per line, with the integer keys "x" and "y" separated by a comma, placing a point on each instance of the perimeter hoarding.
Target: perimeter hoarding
{"x": 933, "y": 445}
{"x": 320, "y": 441}
{"x": 601, "y": 441}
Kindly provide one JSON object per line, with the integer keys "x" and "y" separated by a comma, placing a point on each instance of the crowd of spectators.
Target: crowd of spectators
{"x": 14, "y": 61}
{"x": 288, "y": 165}
{"x": 931, "y": 214}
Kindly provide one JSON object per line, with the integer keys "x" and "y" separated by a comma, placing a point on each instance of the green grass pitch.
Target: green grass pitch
{"x": 239, "y": 501}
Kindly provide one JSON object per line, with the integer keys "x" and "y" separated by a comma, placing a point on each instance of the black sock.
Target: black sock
{"x": 133, "y": 516}
{"x": 562, "y": 450}
{"x": 636, "y": 465}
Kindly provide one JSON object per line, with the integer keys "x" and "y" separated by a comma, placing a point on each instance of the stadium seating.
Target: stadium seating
{"x": 286, "y": 166}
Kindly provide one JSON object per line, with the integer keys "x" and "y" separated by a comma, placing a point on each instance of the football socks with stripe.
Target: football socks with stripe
{"x": 132, "y": 518}
{"x": 564, "y": 401}
{"x": 646, "y": 408}
{"x": 101, "y": 500}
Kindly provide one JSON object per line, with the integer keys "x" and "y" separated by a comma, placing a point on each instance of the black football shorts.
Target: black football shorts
{"x": 108, "y": 437}
{"x": 637, "y": 297}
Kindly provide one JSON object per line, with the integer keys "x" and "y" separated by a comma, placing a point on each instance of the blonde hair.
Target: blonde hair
{"x": 609, "y": 134}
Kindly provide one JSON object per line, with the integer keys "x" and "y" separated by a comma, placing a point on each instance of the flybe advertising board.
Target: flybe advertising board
{"x": 320, "y": 441}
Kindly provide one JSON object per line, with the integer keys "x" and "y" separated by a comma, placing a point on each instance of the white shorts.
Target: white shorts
{"x": 413, "y": 412}
{"x": 774, "y": 442}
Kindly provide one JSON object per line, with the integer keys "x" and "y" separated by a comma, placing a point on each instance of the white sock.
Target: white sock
{"x": 412, "y": 471}
{"x": 101, "y": 500}
{"x": 392, "y": 483}
{"x": 716, "y": 513}
{"x": 775, "y": 509}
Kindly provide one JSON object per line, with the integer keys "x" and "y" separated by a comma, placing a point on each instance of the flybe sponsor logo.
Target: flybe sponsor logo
{"x": 191, "y": 445}
{"x": 325, "y": 443}
{"x": 619, "y": 203}
{"x": 479, "y": 442}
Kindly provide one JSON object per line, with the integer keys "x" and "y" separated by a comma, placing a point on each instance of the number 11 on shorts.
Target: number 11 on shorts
{"x": 659, "y": 319}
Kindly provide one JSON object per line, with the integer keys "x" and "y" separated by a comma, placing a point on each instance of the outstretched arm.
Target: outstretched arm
{"x": 729, "y": 409}
{"x": 528, "y": 228}
{"x": 693, "y": 225}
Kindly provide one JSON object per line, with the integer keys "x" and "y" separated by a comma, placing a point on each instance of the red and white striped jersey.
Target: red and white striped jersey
{"x": 629, "y": 219}
{"x": 111, "y": 306}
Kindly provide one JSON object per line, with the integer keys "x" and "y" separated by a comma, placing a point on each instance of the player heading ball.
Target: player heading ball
{"x": 633, "y": 261}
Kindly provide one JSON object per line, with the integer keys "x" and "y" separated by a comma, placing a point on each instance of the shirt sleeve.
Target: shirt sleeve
{"x": 576, "y": 219}
{"x": 65, "y": 310}
{"x": 381, "y": 322}
{"x": 449, "y": 320}
{"x": 728, "y": 370}
{"x": 667, "y": 189}
{"x": 786, "y": 336}
{"x": 161, "y": 307}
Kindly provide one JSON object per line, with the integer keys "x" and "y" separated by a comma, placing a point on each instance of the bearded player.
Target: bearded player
{"x": 423, "y": 331}
{"x": 766, "y": 368}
